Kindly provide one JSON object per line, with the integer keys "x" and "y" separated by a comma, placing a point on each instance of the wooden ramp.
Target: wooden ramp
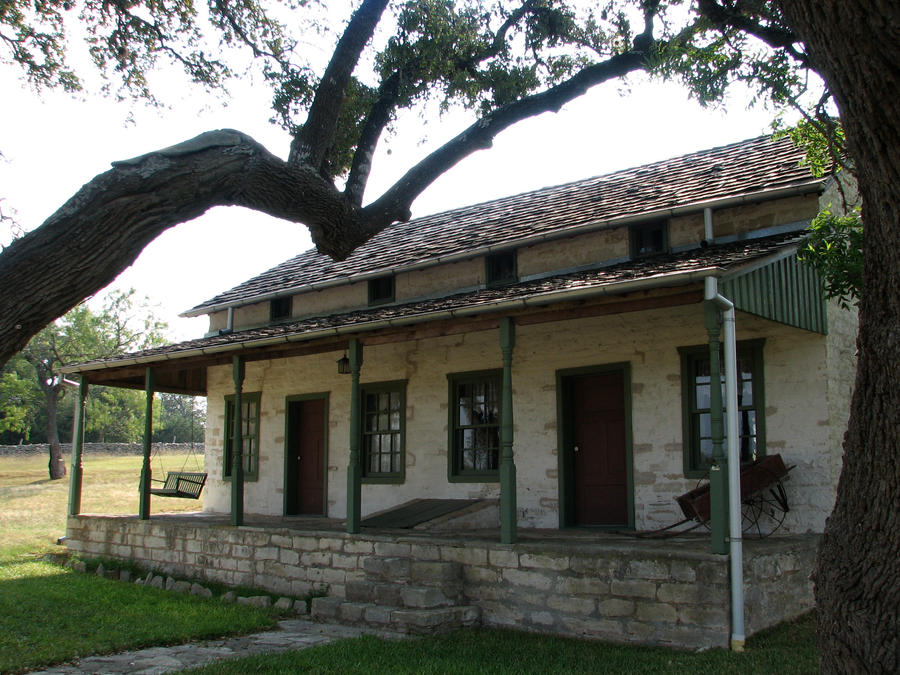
{"x": 417, "y": 511}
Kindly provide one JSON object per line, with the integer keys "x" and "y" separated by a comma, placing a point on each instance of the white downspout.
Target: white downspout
{"x": 709, "y": 234}
{"x": 734, "y": 465}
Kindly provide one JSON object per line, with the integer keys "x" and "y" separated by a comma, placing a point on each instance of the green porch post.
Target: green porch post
{"x": 718, "y": 472}
{"x": 354, "y": 475}
{"x": 77, "y": 448}
{"x": 237, "y": 446}
{"x": 507, "y": 465}
{"x": 144, "y": 504}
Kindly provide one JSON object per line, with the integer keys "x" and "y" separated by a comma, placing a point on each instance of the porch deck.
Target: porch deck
{"x": 584, "y": 582}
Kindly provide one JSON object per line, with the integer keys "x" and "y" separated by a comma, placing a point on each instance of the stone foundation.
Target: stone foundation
{"x": 610, "y": 587}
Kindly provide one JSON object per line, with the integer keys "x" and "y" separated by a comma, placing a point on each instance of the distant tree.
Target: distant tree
{"x": 82, "y": 335}
{"x": 182, "y": 419}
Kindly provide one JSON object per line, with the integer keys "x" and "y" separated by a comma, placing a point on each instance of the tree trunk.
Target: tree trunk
{"x": 57, "y": 465}
{"x": 856, "y": 48}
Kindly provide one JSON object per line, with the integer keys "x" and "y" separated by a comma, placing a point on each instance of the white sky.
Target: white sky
{"x": 55, "y": 143}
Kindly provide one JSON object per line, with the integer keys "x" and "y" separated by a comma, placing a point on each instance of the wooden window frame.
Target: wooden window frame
{"x": 639, "y": 229}
{"x": 281, "y": 308}
{"x": 377, "y": 294}
{"x": 456, "y": 472}
{"x": 694, "y": 464}
{"x": 251, "y": 457}
{"x": 492, "y": 263}
{"x": 398, "y": 473}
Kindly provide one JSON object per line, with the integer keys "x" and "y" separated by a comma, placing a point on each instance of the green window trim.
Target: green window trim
{"x": 250, "y": 435}
{"x": 382, "y": 432}
{"x": 696, "y": 440}
{"x": 475, "y": 413}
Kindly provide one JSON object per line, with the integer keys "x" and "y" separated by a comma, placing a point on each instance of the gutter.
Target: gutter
{"x": 753, "y": 197}
{"x": 504, "y": 305}
{"x": 736, "y": 553}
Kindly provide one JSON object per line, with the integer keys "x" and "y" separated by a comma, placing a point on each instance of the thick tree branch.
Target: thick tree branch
{"x": 101, "y": 230}
{"x": 314, "y": 138}
{"x": 395, "y": 203}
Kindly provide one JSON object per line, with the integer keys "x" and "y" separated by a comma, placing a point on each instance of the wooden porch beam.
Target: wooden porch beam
{"x": 237, "y": 442}
{"x": 508, "y": 510}
{"x": 144, "y": 504}
{"x": 354, "y": 468}
{"x": 77, "y": 451}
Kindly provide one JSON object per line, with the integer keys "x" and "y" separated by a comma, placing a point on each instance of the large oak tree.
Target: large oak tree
{"x": 506, "y": 61}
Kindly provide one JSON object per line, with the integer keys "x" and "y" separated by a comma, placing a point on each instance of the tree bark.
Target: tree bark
{"x": 856, "y": 49}
{"x": 57, "y": 464}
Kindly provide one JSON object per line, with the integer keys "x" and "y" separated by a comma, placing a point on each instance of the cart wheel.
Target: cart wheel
{"x": 763, "y": 512}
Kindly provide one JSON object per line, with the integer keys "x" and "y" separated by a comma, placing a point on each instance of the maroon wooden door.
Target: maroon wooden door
{"x": 598, "y": 449}
{"x": 306, "y": 452}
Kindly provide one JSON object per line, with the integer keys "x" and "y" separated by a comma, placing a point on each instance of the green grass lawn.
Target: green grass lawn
{"x": 49, "y": 614}
{"x": 787, "y": 650}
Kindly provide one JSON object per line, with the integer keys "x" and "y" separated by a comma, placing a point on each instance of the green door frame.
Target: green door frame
{"x": 564, "y": 440}
{"x": 287, "y": 439}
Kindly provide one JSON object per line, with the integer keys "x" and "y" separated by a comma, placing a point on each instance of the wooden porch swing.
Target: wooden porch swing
{"x": 182, "y": 484}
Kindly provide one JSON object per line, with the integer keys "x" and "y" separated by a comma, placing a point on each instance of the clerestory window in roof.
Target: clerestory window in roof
{"x": 501, "y": 268}
{"x": 280, "y": 308}
{"x": 648, "y": 239}
{"x": 381, "y": 290}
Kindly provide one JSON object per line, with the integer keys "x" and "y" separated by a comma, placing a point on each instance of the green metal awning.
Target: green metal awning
{"x": 783, "y": 290}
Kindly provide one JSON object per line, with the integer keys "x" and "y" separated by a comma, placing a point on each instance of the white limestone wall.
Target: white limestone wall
{"x": 798, "y": 383}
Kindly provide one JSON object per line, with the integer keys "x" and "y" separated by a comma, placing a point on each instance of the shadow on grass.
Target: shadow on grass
{"x": 49, "y": 615}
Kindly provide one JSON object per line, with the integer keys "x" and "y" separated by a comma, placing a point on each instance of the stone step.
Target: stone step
{"x": 423, "y": 621}
{"x": 436, "y": 574}
{"x": 398, "y": 595}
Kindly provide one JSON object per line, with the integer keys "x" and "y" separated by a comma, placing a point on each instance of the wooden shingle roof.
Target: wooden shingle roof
{"x": 754, "y": 168}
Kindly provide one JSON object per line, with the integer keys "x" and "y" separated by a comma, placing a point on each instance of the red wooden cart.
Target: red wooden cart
{"x": 763, "y": 499}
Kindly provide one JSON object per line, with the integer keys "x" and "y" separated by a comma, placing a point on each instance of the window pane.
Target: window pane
{"x": 705, "y": 425}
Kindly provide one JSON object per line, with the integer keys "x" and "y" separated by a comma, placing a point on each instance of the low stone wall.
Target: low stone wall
{"x": 648, "y": 592}
{"x": 101, "y": 449}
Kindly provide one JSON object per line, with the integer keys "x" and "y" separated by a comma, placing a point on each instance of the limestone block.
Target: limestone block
{"x": 255, "y": 601}
{"x": 352, "y": 612}
{"x": 647, "y": 569}
{"x": 503, "y": 558}
{"x": 417, "y": 597}
{"x": 655, "y": 611}
{"x": 377, "y": 614}
{"x": 544, "y": 561}
{"x": 229, "y": 596}
{"x": 357, "y": 546}
{"x": 391, "y": 549}
{"x": 469, "y": 555}
{"x": 584, "y": 606}
{"x": 614, "y": 607}
{"x": 325, "y": 607}
{"x": 181, "y": 587}
{"x": 536, "y": 580}
{"x": 301, "y": 607}
{"x": 200, "y": 591}
{"x": 283, "y": 604}
{"x": 633, "y": 588}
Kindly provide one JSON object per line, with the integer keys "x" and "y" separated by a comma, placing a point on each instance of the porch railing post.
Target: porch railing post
{"x": 718, "y": 471}
{"x": 237, "y": 445}
{"x": 144, "y": 504}
{"x": 77, "y": 451}
{"x": 507, "y": 463}
{"x": 354, "y": 468}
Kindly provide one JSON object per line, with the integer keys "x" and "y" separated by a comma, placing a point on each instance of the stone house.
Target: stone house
{"x": 532, "y": 364}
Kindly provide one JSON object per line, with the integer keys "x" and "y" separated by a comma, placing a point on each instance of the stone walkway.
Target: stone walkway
{"x": 292, "y": 634}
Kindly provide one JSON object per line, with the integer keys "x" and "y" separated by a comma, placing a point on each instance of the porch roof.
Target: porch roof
{"x": 675, "y": 278}
{"x": 749, "y": 171}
